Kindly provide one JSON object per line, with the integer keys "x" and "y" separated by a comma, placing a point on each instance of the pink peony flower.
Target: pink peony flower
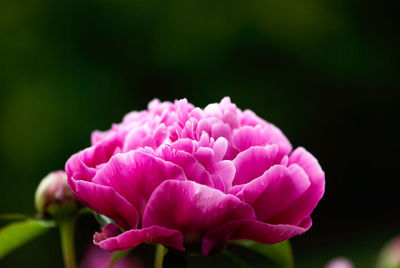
{"x": 192, "y": 178}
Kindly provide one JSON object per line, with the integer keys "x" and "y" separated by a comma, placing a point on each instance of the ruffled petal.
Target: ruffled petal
{"x": 247, "y": 136}
{"x": 251, "y": 229}
{"x": 306, "y": 203}
{"x": 105, "y": 200}
{"x": 226, "y": 171}
{"x": 136, "y": 174}
{"x": 192, "y": 208}
{"x": 253, "y": 162}
{"x": 193, "y": 169}
{"x": 111, "y": 238}
{"x": 275, "y": 190}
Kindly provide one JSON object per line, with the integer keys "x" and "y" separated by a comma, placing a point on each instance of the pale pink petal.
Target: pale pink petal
{"x": 220, "y": 147}
{"x": 221, "y": 130}
{"x": 186, "y": 145}
{"x": 205, "y": 156}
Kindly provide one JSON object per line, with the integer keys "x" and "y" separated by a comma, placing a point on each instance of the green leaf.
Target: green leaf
{"x": 13, "y": 216}
{"x": 280, "y": 253}
{"x": 16, "y": 234}
{"x": 117, "y": 256}
{"x": 239, "y": 262}
{"x": 101, "y": 219}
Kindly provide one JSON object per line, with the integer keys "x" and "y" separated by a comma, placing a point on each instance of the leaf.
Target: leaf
{"x": 13, "y": 216}
{"x": 280, "y": 253}
{"x": 239, "y": 262}
{"x": 16, "y": 234}
{"x": 102, "y": 220}
{"x": 117, "y": 256}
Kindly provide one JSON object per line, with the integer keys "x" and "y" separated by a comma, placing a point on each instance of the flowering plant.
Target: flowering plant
{"x": 192, "y": 179}
{"x": 187, "y": 179}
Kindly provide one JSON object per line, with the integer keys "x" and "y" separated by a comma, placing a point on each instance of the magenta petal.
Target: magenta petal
{"x": 306, "y": 203}
{"x": 220, "y": 147}
{"x": 253, "y": 162}
{"x": 77, "y": 169}
{"x": 205, "y": 156}
{"x": 250, "y": 229}
{"x": 192, "y": 208}
{"x": 138, "y": 138}
{"x": 105, "y": 200}
{"x": 226, "y": 170}
{"x": 275, "y": 190}
{"x": 221, "y": 130}
{"x": 111, "y": 239}
{"x": 193, "y": 169}
{"x": 246, "y": 137}
{"x": 135, "y": 175}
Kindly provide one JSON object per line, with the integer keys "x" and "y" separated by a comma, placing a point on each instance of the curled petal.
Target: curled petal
{"x": 253, "y": 162}
{"x": 111, "y": 238}
{"x": 306, "y": 203}
{"x": 192, "y": 208}
{"x": 226, "y": 171}
{"x": 251, "y": 229}
{"x": 193, "y": 169}
{"x": 136, "y": 174}
{"x": 105, "y": 200}
{"x": 275, "y": 190}
{"x": 247, "y": 136}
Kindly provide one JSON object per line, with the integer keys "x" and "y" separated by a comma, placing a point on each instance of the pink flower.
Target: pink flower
{"x": 340, "y": 263}
{"x": 192, "y": 178}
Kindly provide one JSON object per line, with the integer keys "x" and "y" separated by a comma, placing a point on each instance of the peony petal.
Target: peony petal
{"x": 221, "y": 130}
{"x": 135, "y": 175}
{"x": 186, "y": 145}
{"x": 77, "y": 169}
{"x": 205, "y": 156}
{"x": 220, "y": 147}
{"x": 275, "y": 190}
{"x": 86, "y": 162}
{"x": 105, "y": 200}
{"x": 111, "y": 239}
{"x": 226, "y": 170}
{"x": 306, "y": 203}
{"x": 192, "y": 208}
{"x": 138, "y": 138}
{"x": 247, "y": 136}
{"x": 250, "y": 229}
{"x": 253, "y": 162}
{"x": 193, "y": 169}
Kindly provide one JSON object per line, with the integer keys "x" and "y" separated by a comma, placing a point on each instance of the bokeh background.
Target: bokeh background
{"x": 325, "y": 72}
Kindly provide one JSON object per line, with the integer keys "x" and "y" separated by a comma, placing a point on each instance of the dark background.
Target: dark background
{"x": 325, "y": 72}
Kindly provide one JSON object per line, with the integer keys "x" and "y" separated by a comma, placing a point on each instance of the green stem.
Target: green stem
{"x": 159, "y": 256}
{"x": 67, "y": 232}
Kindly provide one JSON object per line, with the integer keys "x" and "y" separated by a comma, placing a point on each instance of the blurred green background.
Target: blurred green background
{"x": 325, "y": 72}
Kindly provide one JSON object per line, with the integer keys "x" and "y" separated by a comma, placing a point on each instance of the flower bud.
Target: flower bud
{"x": 390, "y": 254}
{"x": 53, "y": 197}
{"x": 339, "y": 263}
